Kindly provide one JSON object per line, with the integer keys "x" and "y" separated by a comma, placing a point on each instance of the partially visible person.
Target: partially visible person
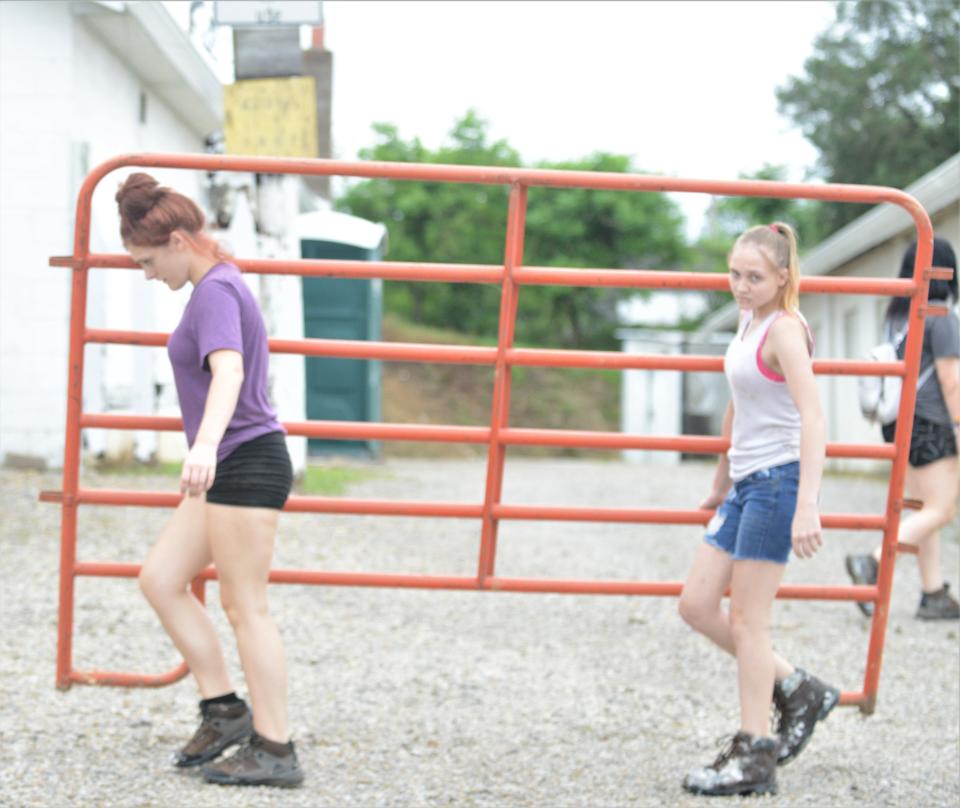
{"x": 933, "y": 471}
{"x": 765, "y": 493}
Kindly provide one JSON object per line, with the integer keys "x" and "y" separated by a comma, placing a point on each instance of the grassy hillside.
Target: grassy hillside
{"x": 461, "y": 395}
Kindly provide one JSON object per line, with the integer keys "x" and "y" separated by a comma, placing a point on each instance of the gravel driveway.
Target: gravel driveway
{"x": 413, "y": 698}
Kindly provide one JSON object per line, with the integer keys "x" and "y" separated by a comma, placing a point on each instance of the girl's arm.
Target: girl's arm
{"x": 199, "y": 468}
{"x": 789, "y": 344}
{"x": 948, "y": 374}
{"x": 721, "y": 479}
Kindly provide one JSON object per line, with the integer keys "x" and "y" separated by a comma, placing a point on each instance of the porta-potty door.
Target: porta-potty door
{"x": 339, "y": 308}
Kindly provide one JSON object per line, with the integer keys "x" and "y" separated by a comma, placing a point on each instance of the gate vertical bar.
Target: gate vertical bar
{"x": 513, "y": 257}
{"x": 888, "y": 557}
{"x": 71, "y": 448}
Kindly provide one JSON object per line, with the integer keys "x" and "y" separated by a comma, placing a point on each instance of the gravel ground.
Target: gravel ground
{"x": 412, "y": 698}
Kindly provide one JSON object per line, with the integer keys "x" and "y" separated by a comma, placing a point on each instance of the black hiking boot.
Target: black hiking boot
{"x": 939, "y": 605}
{"x": 747, "y": 765}
{"x": 258, "y": 762}
{"x": 863, "y": 572}
{"x": 222, "y": 725}
{"x": 801, "y": 700}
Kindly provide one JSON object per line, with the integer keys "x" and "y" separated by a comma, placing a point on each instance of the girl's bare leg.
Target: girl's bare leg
{"x": 241, "y": 540}
{"x": 180, "y": 553}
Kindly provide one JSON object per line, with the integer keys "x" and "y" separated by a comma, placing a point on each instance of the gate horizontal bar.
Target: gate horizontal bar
{"x": 534, "y": 276}
{"x": 510, "y": 176}
{"x": 332, "y": 430}
{"x": 491, "y": 583}
{"x": 323, "y": 268}
{"x": 118, "y": 679}
{"x": 710, "y": 281}
{"x": 332, "y": 348}
{"x": 295, "y": 504}
{"x": 525, "y": 357}
{"x": 842, "y": 521}
{"x": 511, "y": 436}
{"x": 454, "y": 510}
{"x": 514, "y": 436}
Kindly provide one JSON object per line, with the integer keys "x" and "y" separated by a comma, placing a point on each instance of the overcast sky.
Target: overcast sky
{"x": 686, "y": 88}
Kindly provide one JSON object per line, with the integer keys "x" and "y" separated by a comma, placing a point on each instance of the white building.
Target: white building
{"x": 651, "y": 402}
{"x": 81, "y": 82}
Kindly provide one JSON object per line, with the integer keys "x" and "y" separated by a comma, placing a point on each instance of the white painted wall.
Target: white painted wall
{"x": 651, "y": 400}
{"x": 667, "y": 307}
{"x": 121, "y": 378}
{"x": 36, "y": 53}
{"x": 68, "y": 102}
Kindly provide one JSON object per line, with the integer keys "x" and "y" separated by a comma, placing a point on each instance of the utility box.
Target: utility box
{"x": 342, "y": 308}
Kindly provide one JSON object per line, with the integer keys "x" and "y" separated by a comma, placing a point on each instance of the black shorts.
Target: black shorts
{"x": 929, "y": 442}
{"x": 257, "y": 474}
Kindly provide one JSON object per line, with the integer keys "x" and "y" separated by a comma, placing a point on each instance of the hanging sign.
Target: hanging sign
{"x": 271, "y": 117}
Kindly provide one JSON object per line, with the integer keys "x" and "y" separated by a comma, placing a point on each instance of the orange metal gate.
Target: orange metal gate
{"x": 512, "y": 275}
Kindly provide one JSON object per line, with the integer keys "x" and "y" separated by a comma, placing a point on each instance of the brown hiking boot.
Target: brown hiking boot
{"x": 939, "y": 605}
{"x": 747, "y": 765}
{"x": 801, "y": 701}
{"x": 253, "y": 764}
{"x": 222, "y": 725}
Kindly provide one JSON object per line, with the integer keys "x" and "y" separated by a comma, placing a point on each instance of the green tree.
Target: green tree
{"x": 457, "y": 223}
{"x": 439, "y": 223}
{"x": 880, "y": 96}
{"x": 592, "y": 229}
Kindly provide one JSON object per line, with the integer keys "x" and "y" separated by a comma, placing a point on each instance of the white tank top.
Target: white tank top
{"x": 766, "y": 422}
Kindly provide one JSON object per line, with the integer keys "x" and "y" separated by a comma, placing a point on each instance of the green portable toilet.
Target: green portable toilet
{"x": 342, "y": 308}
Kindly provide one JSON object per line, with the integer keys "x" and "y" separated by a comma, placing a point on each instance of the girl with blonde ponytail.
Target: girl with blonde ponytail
{"x": 765, "y": 493}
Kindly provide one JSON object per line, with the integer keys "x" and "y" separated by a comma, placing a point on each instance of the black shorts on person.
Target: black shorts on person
{"x": 929, "y": 442}
{"x": 257, "y": 474}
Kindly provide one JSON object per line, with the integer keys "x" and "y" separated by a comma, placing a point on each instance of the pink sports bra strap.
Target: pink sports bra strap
{"x": 762, "y": 366}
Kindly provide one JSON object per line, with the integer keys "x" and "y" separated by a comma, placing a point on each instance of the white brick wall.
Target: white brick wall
{"x": 62, "y": 88}
{"x": 36, "y": 48}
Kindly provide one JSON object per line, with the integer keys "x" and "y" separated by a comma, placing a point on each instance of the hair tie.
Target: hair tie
{"x": 774, "y": 228}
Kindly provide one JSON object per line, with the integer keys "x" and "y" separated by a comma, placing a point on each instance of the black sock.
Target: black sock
{"x": 227, "y": 698}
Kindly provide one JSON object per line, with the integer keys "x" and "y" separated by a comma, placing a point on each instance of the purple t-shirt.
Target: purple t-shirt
{"x": 222, "y": 313}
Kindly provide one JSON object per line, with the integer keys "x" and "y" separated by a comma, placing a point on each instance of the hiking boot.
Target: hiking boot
{"x": 801, "y": 700}
{"x": 863, "y": 572}
{"x": 222, "y": 725}
{"x": 938, "y": 605}
{"x": 254, "y": 764}
{"x": 747, "y": 765}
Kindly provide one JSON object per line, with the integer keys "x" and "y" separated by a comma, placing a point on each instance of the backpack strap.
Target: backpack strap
{"x": 925, "y": 376}
{"x": 897, "y": 341}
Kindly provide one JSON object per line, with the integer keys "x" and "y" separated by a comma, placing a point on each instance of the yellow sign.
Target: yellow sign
{"x": 271, "y": 117}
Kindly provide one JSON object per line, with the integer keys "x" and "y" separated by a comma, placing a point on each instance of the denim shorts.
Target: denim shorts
{"x": 256, "y": 474}
{"x": 754, "y": 522}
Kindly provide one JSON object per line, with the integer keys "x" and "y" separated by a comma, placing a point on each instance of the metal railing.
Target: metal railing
{"x": 511, "y": 276}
